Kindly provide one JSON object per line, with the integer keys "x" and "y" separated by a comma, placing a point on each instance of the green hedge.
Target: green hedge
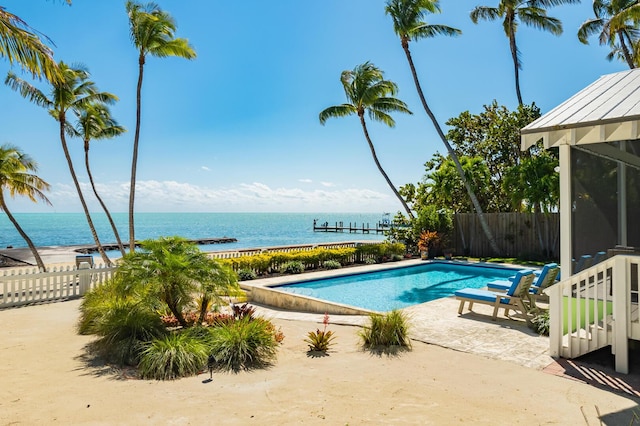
{"x": 267, "y": 262}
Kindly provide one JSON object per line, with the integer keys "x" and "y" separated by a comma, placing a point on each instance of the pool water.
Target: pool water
{"x": 399, "y": 287}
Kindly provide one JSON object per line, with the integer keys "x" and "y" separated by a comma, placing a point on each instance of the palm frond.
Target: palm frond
{"x": 337, "y": 111}
{"x": 485, "y": 13}
{"x": 27, "y": 90}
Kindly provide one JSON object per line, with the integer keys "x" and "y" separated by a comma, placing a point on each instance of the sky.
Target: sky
{"x": 237, "y": 129}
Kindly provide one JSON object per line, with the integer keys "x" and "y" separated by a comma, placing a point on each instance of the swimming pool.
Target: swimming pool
{"x": 399, "y": 287}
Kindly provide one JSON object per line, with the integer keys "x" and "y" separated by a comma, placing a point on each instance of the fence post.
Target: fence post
{"x": 555, "y": 319}
{"x": 621, "y": 301}
{"x": 85, "y": 277}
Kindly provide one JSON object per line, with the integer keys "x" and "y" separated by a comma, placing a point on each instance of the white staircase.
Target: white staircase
{"x": 595, "y": 308}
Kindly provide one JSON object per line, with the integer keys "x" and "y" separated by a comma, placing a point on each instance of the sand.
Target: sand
{"x": 46, "y": 378}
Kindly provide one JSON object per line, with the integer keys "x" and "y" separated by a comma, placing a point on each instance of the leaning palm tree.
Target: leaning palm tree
{"x": 367, "y": 91}
{"x": 152, "y": 33}
{"x": 17, "y": 177}
{"x": 615, "y": 23}
{"x": 19, "y": 43}
{"x": 408, "y": 24}
{"x": 72, "y": 92}
{"x": 95, "y": 122}
{"x": 531, "y": 13}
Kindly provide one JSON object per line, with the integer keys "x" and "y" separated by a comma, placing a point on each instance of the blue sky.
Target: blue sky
{"x": 236, "y": 130}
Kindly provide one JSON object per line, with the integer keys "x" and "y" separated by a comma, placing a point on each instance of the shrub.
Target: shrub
{"x": 293, "y": 267}
{"x": 370, "y": 261}
{"x": 332, "y": 264}
{"x": 318, "y": 340}
{"x": 173, "y": 356}
{"x": 124, "y": 326}
{"x": 540, "y": 323}
{"x": 243, "y": 344}
{"x": 390, "y": 329}
{"x": 397, "y": 257}
{"x": 246, "y": 275}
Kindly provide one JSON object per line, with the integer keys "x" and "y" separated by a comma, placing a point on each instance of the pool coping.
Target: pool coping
{"x": 262, "y": 290}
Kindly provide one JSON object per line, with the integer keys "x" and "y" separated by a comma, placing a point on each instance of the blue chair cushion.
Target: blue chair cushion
{"x": 480, "y": 295}
{"x": 499, "y": 285}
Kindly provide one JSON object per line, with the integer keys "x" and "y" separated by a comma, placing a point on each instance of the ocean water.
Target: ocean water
{"x": 250, "y": 229}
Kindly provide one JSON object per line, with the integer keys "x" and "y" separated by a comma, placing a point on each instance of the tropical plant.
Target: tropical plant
{"x": 541, "y": 323}
{"x": 531, "y": 13}
{"x": 293, "y": 267}
{"x": 174, "y": 272}
{"x": 244, "y": 344}
{"x": 152, "y": 33}
{"x": 408, "y": 24}
{"x": 428, "y": 240}
{"x": 368, "y": 92}
{"x": 172, "y": 356}
{"x": 386, "y": 330}
{"x": 246, "y": 275}
{"x": 17, "y": 176}
{"x": 616, "y": 24}
{"x": 321, "y": 340}
{"x": 95, "y": 122}
{"x": 21, "y": 44}
{"x": 73, "y": 91}
{"x": 332, "y": 264}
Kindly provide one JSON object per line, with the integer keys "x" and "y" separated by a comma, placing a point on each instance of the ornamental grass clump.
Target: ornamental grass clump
{"x": 388, "y": 330}
{"x": 321, "y": 340}
{"x": 244, "y": 344}
{"x": 332, "y": 264}
{"x": 173, "y": 356}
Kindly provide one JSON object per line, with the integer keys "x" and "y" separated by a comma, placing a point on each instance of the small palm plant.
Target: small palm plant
{"x": 321, "y": 340}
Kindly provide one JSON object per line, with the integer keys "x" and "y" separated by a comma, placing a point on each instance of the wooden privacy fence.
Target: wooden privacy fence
{"x": 530, "y": 235}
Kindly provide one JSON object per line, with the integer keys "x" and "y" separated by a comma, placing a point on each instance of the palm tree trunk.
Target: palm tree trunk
{"x": 95, "y": 192}
{"x": 375, "y": 158}
{"x": 516, "y": 66}
{"x": 625, "y": 51}
{"x": 134, "y": 161}
{"x": 63, "y": 140}
{"x": 452, "y": 154}
{"x": 32, "y": 247}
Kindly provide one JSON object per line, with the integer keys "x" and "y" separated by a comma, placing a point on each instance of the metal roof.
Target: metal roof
{"x": 607, "y": 110}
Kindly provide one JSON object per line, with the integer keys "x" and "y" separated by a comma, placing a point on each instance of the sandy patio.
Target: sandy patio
{"x": 47, "y": 378}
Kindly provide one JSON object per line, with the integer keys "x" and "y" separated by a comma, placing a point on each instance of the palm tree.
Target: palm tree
{"x": 95, "y": 122}
{"x": 367, "y": 91}
{"x": 408, "y": 24}
{"x": 531, "y": 13}
{"x": 152, "y": 33}
{"x": 72, "y": 92}
{"x": 173, "y": 271}
{"x": 20, "y": 43}
{"x": 16, "y": 177}
{"x": 615, "y": 25}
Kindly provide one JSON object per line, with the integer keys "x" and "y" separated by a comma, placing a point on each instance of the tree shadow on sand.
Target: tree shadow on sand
{"x": 94, "y": 365}
{"x": 392, "y": 351}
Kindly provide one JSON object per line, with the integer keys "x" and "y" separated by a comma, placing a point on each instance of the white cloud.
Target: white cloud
{"x": 205, "y": 168}
{"x": 327, "y": 184}
{"x": 305, "y": 180}
{"x": 172, "y": 196}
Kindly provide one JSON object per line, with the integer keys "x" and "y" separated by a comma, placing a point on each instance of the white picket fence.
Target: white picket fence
{"x": 595, "y": 308}
{"x": 23, "y": 286}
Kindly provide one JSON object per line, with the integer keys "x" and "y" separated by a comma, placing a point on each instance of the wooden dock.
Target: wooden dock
{"x": 352, "y": 228}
